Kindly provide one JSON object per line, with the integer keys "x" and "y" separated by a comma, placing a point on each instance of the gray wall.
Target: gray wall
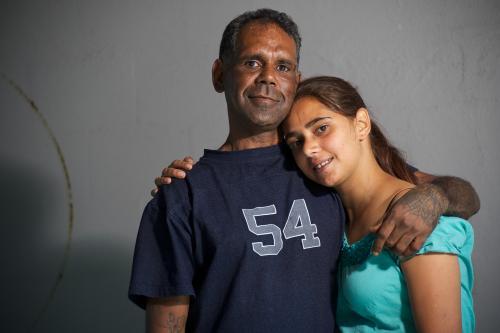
{"x": 124, "y": 87}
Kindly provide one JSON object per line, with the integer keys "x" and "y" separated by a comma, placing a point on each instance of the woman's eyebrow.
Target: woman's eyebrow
{"x": 315, "y": 120}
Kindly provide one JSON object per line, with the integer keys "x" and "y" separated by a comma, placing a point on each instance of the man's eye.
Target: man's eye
{"x": 283, "y": 68}
{"x": 252, "y": 63}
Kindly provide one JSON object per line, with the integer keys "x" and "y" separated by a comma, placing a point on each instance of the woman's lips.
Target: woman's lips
{"x": 317, "y": 166}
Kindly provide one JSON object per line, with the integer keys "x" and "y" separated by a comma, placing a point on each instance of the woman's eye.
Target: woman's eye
{"x": 295, "y": 144}
{"x": 322, "y": 129}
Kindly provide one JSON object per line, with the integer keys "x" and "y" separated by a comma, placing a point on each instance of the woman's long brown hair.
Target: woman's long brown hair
{"x": 340, "y": 96}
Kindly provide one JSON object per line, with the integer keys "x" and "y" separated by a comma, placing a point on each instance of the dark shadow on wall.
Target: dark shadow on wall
{"x": 32, "y": 243}
{"x": 93, "y": 295}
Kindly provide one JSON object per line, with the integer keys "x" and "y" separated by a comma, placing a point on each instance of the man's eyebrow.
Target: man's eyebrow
{"x": 255, "y": 56}
{"x": 259, "y": 57}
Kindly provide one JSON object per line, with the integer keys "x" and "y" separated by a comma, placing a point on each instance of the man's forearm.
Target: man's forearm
{"x": 463, "y": 200}
{"x": 457, "y": 194}
{"x": 417, "y": 212}
{"x": 167, "y": 315}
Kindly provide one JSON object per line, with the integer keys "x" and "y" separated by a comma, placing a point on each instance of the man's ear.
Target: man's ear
{"x": 363, "y": 123}
{"x": 218, "y": 76}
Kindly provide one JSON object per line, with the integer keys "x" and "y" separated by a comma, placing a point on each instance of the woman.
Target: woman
{"x": 336, "y": 144}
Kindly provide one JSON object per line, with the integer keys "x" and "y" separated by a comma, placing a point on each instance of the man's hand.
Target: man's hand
{"x": 410, "y": 221}
{"x": 176, "y": 169}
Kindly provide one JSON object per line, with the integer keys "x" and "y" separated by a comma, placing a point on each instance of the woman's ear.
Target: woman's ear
{"x": 218, "y": 76}
{"x": 362, "y": 124}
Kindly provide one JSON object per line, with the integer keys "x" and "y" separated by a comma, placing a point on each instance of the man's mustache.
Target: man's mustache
{"x": 265, "y": 91}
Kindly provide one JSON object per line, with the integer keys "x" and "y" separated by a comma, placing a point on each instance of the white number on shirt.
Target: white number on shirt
{"x": 298, "y": 224}
{"x": 264, "y": 229}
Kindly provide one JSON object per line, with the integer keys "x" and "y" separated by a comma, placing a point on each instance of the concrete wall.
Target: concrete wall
{"x": 114, "y": 90}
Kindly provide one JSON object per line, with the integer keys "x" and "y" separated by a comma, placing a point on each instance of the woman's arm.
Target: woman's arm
{"x": 167, "y": 314}
{"x": 433, "y": 282}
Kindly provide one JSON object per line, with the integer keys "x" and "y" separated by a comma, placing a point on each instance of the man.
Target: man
{"x": 246, "y": 243}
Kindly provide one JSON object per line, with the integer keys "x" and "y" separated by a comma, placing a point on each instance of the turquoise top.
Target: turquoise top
{"x": 372, "y": 290}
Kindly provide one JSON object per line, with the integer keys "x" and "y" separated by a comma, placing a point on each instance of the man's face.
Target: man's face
{"x": 261, "y": 78}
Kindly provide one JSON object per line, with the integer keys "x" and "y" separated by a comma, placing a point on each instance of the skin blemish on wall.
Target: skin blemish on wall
{"x": 69, "y": 198}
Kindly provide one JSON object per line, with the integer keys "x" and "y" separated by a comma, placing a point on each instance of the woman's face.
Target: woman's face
{"x": 324, "y": 143}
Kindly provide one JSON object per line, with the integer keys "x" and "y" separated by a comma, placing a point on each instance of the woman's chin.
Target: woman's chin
{"x": 326, "y": 180}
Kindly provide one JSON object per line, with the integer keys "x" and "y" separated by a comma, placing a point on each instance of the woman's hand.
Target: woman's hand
{"x": 176, "y": 169}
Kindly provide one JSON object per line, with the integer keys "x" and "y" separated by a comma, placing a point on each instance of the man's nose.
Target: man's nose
{"x": 267, "y": 76}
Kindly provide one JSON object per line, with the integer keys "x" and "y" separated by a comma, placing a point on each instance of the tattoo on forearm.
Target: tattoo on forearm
{"x": 426, "y": 201}
{"x": 175, "y": 324}
{"x": 463, "y": 199}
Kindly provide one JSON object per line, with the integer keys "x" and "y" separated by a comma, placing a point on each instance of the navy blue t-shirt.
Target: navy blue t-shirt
{"x": 250, "y": 239}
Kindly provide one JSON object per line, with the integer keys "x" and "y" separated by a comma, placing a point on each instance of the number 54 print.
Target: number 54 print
{"x": 297, "y": 224}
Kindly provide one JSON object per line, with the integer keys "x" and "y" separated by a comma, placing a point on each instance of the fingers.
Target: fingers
{"x": 396, "y": 233}
{"x": 403, "y": 234}
{"x": 401, "y": 246}
{"x": 383, "y": 234}
{"x": 414, "y": 246}
{"x": 171, "y": 172}
{"x": 159, "y": 181}
{"x": 185, "y": 164}
{"x": 401, "y": 241}
{"x": 176, "y": 169}
{"x": 405, "y": 226}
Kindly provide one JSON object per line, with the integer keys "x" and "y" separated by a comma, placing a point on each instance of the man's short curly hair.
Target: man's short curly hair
{"x": 229, "y": 37}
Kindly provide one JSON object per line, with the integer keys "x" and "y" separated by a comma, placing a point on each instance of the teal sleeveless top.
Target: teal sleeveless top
{"x": 373, "y": 296}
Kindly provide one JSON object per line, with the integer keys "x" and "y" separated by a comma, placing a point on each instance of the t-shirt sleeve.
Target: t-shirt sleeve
{"x": 163, "y": 258}
{"x": 452, "y": 235}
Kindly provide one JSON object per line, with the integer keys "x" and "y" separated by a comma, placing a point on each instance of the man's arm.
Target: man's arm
{"x": 410, "y": 221}
{"x": 167, "y": 314}
{"x": 163, "y": 267}
{"x": 462, "y": 199}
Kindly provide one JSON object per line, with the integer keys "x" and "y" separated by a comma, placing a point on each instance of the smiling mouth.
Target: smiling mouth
{"x": 263, "y": 98}
{"x": 322, "y": 164}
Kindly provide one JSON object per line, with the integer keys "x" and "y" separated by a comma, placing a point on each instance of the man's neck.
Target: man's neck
{"x": 261, "y": 140}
